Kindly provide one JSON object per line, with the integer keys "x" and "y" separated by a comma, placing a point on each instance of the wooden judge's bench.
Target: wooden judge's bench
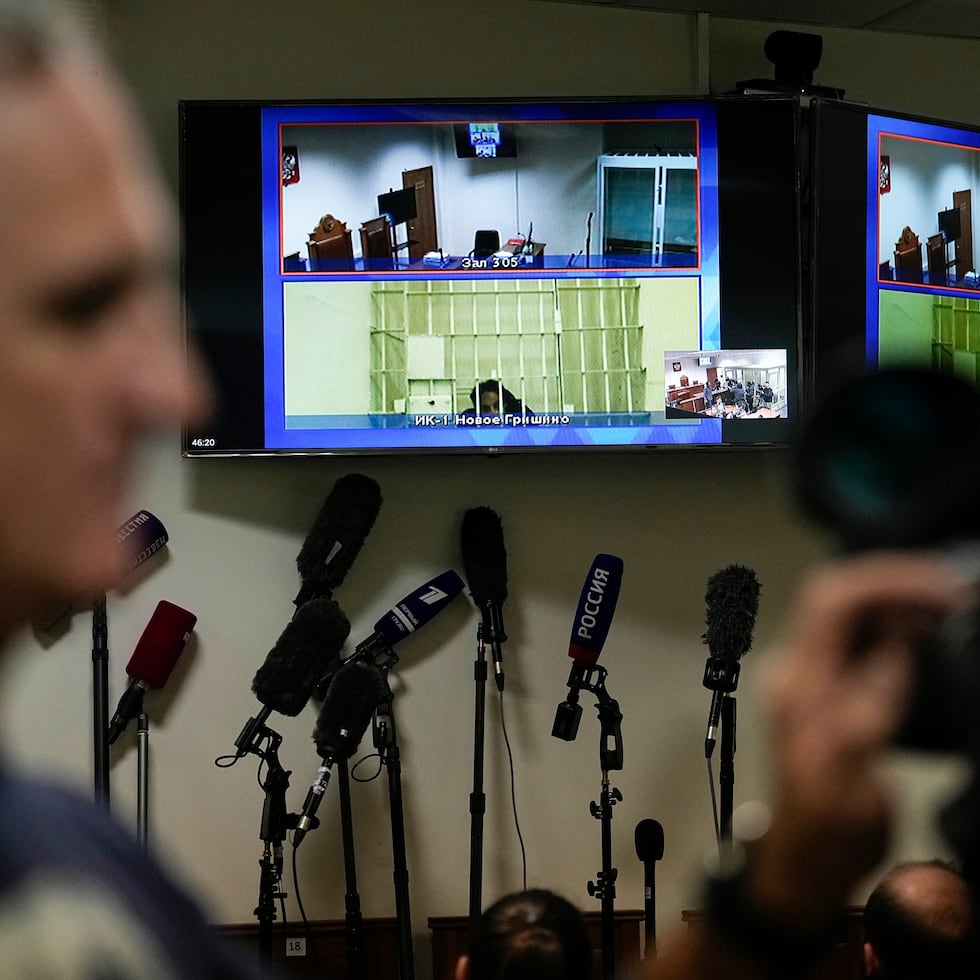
{"x": 689, "y": 398}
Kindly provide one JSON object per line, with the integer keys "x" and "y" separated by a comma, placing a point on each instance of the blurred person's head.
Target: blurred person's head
{"x": 91, "y": 355}
{"x": 920, "y": 921}
{"x": 530, "y": 935}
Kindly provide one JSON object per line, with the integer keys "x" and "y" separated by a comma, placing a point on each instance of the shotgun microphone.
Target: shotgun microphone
{"x": 307, "y": 648}
{"x": 732, "y": 599}
{"x": 485, "y": 564}
{"x": 351, "y": 698}
{"x": 337, "y": 535}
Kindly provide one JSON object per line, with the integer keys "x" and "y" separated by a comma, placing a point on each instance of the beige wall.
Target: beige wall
{"x": 237, "y": 525}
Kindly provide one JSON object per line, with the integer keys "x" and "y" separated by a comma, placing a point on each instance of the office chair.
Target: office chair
{"x": 485, "y": 243}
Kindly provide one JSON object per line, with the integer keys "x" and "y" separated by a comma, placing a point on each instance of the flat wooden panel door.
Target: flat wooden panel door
{"x": 422, "y": 232}
{"x": 964, "y": 245}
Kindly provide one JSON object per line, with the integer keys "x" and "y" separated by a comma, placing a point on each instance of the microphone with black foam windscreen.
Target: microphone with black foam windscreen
{"x": 404, "y": 618}
{"x": 306, "y": 650}
{"x": 649, "y": 841}
{"x": 732, "y": 599}
{"x": 593, "y": 617}
{"x": 156, "y": 653}
{"x": 350, "y": 701}
{"x": 485, "y": 564}
{"x": 337, "y": 535}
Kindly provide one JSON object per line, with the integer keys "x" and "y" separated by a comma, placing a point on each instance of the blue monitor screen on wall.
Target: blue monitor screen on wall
{"x": 895, "y": 273}
{"x": 618, "y": 274}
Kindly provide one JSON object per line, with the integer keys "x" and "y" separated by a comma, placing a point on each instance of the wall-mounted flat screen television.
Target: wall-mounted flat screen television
{"x": 593, "y": 291}
{"x": 894, "y": 246}
{"x": 486, "y": 140}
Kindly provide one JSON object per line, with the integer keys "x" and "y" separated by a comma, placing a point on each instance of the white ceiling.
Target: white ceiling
{"x": 949, "y": 18}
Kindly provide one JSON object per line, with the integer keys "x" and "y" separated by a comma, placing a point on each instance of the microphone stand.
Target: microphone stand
{"x": 610, "y": 757}
{"x": 100, "y": 698}
{"x": 478, "y": 800}
{"x": 726, "y": 769}
{"x": 491, "y": 627}
{"x": 353, "y": 920}
{"x": 386, "y": 742}
{"x": 258, "y": 739}
{"x": 142, "y": 778}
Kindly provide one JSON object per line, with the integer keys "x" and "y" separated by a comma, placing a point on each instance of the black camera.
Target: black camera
{"x": 892, "y": 460}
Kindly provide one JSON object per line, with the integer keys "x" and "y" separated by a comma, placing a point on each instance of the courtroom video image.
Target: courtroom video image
{"x": 490, "y": 198}
{"x": 728, "y": 384}
{"x": 925, "y": 227}
{"x": 403, "y": 352}
{"x": 929, "y": 330}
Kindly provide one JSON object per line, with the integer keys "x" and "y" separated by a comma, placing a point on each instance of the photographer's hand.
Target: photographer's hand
{"x": 837, "y": 697}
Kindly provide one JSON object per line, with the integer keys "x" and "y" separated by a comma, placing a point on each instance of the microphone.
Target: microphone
{"x": 405, "y": 617}
{"x": 593, "y": 617}
{"x": 732, "y": 603}
{"x": 305, "y": 651}
{"x": 137, "y": 539}
{"x": 649, "y": 841}
{"x": 354, "y": 693}
{"x": 140, "y": 537}
{"x": 346, "y": 517}
{"x": 154, "y": 657}
{"x": 485, "y": 564}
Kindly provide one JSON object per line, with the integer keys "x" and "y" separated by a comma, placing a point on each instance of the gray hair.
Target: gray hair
{"x": 29, "y": 30}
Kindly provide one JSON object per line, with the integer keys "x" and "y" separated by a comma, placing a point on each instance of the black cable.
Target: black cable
{"x": 299, "y": 897}
{"x": 363, "y": 759}
{"x": 310, "y": 944}
{"x": 513, "y": 794}
{"x": 714, "y": 800}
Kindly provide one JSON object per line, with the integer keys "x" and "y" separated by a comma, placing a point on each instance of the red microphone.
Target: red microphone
{"x": 156, "y": 653}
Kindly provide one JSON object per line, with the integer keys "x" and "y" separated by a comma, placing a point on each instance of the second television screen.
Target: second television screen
{"x": 895, "y": 271}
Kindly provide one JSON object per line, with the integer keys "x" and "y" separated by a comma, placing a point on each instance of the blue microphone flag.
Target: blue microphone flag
{"x": 418, "y": 607}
